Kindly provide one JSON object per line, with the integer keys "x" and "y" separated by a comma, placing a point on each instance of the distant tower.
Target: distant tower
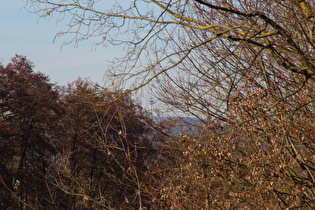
{"x": 151, "y": 102}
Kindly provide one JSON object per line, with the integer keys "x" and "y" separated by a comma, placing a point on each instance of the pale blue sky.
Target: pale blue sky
{"x": 25, "y": 34}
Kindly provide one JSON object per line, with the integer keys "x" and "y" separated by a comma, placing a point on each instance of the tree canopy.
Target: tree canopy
{"x": 244, "y": 69}
{"x": 194, "y": 48}
{"x": 80, "y": 146}
{"x": 30, "y": 111}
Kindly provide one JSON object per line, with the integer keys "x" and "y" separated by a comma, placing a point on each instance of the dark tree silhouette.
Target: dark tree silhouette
{"x": 30, "y": 110}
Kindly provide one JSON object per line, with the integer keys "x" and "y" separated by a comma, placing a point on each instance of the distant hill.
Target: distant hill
{"x": 181, "y": 125}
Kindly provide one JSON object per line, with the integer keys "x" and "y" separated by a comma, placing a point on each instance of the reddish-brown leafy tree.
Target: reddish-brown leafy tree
{"x": 30, "y": 111}
{"x": 106, "y": 158}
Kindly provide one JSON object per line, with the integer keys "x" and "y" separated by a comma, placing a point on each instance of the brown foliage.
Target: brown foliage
{"x": 108, "y": 150}
{"x": 30, "y": 110}
{"x": 245, "y": 69}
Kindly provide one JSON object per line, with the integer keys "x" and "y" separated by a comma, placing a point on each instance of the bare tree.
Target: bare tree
{"x": 216, "y": 42}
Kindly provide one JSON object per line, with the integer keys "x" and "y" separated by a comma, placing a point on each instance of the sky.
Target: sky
{"x": 25, "y": 34}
